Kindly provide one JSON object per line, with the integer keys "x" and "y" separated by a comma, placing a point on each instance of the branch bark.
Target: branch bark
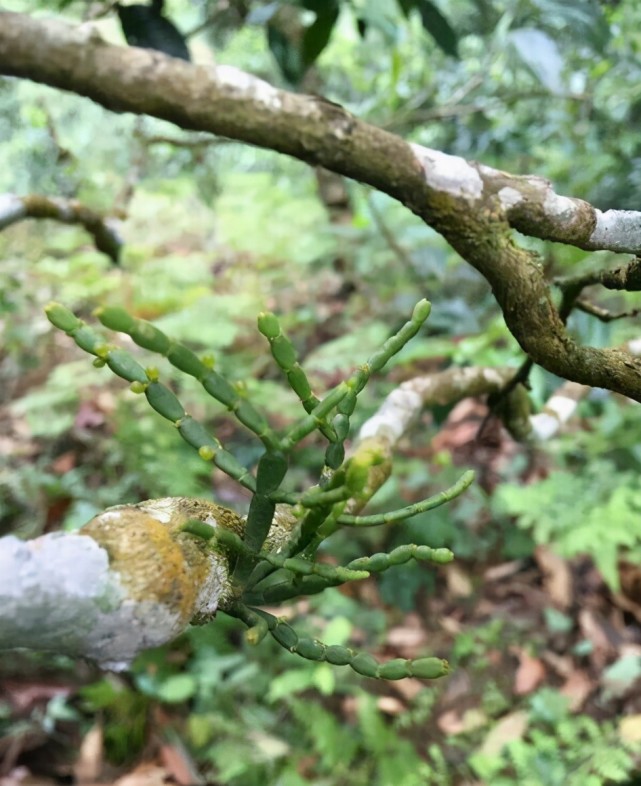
{"x": 14, "y": 208}
{"x": 473, "y": 206}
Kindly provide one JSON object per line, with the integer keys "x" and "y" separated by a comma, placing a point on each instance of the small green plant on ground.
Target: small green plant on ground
{"x": 559, "y": 749}
{"x": 594, "y": 512}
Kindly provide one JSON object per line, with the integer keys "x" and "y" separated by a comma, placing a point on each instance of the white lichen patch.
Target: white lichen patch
{"x": 254, "y": 88}
{"x": 60, "y": 593}
{"x": 559, "y": 207}
{"x": 162, "y": 509}
{"x": 213, "y": 586}
{"x": 617, "y": 230}
{"x": 509, "y": 197}
{"x": 451, "y": 174}
{"x": 12, "y": 209}
{"x": 391, "y": 420}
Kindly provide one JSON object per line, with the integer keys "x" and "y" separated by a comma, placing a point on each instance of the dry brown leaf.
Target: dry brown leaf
{"x": 529, "y": 674}
{"x": 630, "y": 728}
{"x": 175, "y": 757}
{"x": 458, "y": 582}
{"x": 503, "y": 571}
{"x": 563, "y": 665}
{"x": 577, "y": 688}
{"x": 145, "y": 775}
{"x": 405, "y": 638}
{"x": 452, "y": 722}
{"x": 408, "y": 688}
{"x": 21, "y": 776}
{"x": 451, "y": 625}
{"x": 89, "y": 764}
{"x": 64, "y": 463}
{"x": 510, "y": 728}
{"x": 390, "y": 705}
{"x": 596, "y": 633}
{"x": 557, "y": 577}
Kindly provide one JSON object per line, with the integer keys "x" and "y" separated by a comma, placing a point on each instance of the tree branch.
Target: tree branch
{"x": 15, "y": 208}
{"x": 473, "y": 206}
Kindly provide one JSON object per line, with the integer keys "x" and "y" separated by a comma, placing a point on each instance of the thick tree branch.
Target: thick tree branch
{"x": 473, "y": 206}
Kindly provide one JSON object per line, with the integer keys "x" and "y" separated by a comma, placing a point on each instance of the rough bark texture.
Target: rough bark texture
{"x": 472, "y": 206}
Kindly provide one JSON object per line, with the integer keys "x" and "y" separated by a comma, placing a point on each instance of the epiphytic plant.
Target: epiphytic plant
{"x": 271, "y": 555}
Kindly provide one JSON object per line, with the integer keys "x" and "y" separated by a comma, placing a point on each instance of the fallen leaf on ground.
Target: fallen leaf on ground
{"x": 452, "y": 722}
{"x": 630, "y": 728}
{"x": 510, "y": 728}
{"x": 557, "y": 577}
{"x": 529, "y": 674}
{"x": 577, "y": 688}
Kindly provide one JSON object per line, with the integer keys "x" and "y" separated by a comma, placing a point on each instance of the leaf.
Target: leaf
{"x": 621, "y": 675}
{"x": 586, "y": 19}
{"x": 290, "y": 683}
{"x": 511, "y": 727}
{"x": 317, "y": 35}
{"x": 177, "y": 688}
{"x": 287, "y": 55}
{"x": 379, "y": 17}
{"x": 530, "y": 673}
{"x": 406, "y": 6}
{"x": 541, "y": 55}
{"x": 630, "y": 728}
{"x": 438, "y": 27}
{"x": 262, "y": 14}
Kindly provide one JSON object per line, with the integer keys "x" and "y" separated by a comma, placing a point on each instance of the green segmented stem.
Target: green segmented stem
{"x": 391, "y": 347}
{"x": 119, "y": 361}
{"x": 307, "y": 529}
{"x": 284, "y": 353}
{"x": 355, "y": 384}
{"x": 199, "y": 529}
{"x": 382, "y": 561}
{"x": 296, "y": 565}
{"x": 150, "y": 337}
{"x": 321, "y": 497}
{"x": 270, "y": 472}
{"x": 313, "y": 649}
{"x": 334, "y": 455}
{"x": 411, "y": 510}
{"x": 287, "y": 589}
{"x": 210, "y": 449}
{"x": 335, "y": 452}
{"x": 316, "y": 418}
{"x": 159, "y": 396}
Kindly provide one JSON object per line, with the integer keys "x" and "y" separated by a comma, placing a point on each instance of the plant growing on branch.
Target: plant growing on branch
{"x": 272, "y": 555}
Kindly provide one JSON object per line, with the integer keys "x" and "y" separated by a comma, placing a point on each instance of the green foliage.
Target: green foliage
{"x": 560, "y": 749}
{"x": 593, "y": 512}
{"x": 124, "y": 713}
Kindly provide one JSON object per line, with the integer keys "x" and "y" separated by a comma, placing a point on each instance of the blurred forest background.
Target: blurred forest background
{"x": 540, "y": 612}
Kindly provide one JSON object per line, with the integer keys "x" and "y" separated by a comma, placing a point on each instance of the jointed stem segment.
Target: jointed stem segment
{"x": 464, "y": 482}
{"x": 158, "y": 395}
{"x": 150, "y": 337}
{"x": 260, "y": 622}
